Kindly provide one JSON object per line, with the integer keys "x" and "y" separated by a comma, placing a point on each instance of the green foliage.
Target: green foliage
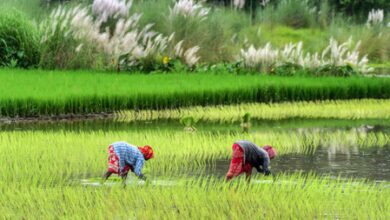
{"x": 330, "y": 70}
{"x": 189, "y": 123}
{"x": 31, "y": 8}
{"x": 18, "y": 41}
{"x": 378, "y": 51}
{"x": 60, "y": 50}
{"x": 292, "y": 13}
{"x": 289, "y": 69}
{"x": 211, "y": 34}
{"x": 359, "y": 8}
{"x": 246, "y": 122}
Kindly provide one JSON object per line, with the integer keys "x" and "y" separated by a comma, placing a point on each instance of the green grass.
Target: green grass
{"x": 32, "y": 8}
{"x": 36, "y": 93}
{"x": 314, "y": 39}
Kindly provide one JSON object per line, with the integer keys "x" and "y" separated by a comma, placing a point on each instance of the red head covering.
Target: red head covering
{"x": 271, "y": 152}
{"x": 147, "y": 151}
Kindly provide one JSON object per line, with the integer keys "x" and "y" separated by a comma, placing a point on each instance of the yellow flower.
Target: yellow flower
{"x": 165, "y": 60}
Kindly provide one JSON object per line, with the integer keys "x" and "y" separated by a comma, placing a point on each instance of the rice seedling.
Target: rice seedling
{"x": 58, "y": 93}
{"x": 351, "y": 109}
{"x": 41, "y": 158}
{"x": 45, "y": 168}
{"x": 297, "y": 196}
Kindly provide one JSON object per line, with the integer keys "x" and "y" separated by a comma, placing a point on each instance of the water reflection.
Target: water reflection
{"x": 365, "y": 125}
{"x": 334, "y": 160}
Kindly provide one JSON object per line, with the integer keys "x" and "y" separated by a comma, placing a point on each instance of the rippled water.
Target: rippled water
{"x": 371, "y": 163}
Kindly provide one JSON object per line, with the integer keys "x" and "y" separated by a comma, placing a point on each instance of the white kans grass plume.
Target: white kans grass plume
{"x": 264, "y": 2}
{"x": 110, "y": 8}
{"x": 124, "y": 39}
{"x": 262, "y": 59}
{"x": 239, "y": 3}
{"x": 190, "y": 56}
{"x": 189, "y": 8}
{"x": 375, "y": 16}
{"x": 335, "y": 54}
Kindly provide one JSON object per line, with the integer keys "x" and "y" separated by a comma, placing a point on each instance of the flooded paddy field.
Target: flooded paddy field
{"x": 325, "y": 167}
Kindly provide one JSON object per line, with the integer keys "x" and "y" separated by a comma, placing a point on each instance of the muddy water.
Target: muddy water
{"x": 371, "y": 163}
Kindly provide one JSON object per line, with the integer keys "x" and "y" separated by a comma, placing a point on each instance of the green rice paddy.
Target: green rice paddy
{"x": 53, "y": 171}
{"x": 44, "y": 171}
{"x": 349, "y": 109}
{"x": 51, "y": 158}
{"x": 288, "y": 197}
{"x": 47, "y": 93}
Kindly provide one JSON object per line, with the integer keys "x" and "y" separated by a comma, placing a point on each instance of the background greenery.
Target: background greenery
{"x": 220, "y": 37}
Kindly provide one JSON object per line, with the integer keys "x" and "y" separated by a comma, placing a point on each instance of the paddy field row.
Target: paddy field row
{"x": 45, "y": 172}
{"x": 43, "y": 158}
{"x": 35, "y": 93}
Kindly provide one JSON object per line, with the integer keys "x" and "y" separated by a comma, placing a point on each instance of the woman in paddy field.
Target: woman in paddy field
{"x": 247, "y": 155}
{"x": 123, "y": 157}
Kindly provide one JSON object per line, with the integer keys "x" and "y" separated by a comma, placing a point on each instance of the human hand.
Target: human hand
{"x": 142, "y": 177}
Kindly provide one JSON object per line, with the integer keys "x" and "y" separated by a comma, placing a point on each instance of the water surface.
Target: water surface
{"x": 370, "y": 163}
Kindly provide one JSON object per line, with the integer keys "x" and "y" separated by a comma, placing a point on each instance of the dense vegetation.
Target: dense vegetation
{"x": 209, "y": 36}
{"x": 38, "y": 93}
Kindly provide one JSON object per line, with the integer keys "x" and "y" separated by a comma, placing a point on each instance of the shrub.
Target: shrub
{"x": 295, "y": 13}
{"x": 353, "y": 7}
{"x": 111, "y": 33}
{"x": 59, "y": 48}
{"x": 18, "y": 41}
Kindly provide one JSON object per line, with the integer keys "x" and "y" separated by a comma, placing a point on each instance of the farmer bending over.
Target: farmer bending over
{"x": 247, "y": 155}
{"x": 123, "y": 157}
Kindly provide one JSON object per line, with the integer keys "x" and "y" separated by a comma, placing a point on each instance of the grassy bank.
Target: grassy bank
{"x": 35, "y": 93}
